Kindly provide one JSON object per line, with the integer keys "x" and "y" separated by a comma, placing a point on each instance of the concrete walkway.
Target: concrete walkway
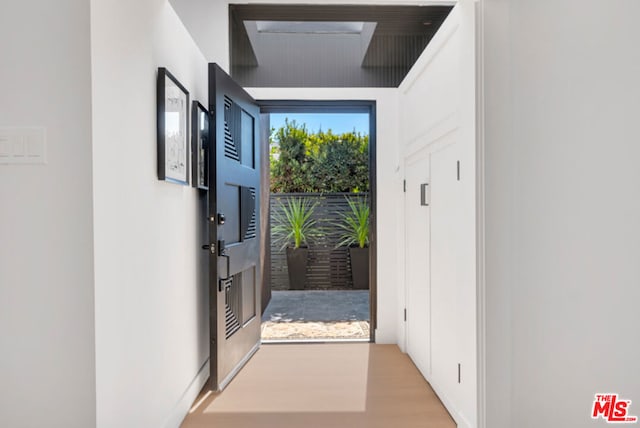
{"x": 317, "y": 315}
{"x": 318, "y": 305}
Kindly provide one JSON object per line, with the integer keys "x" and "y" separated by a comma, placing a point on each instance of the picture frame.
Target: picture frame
{"x": 173, "y": 129}
{"x": 200, "y": 143}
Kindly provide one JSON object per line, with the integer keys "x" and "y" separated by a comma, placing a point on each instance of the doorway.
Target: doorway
{"x": 322, "y": 162}
{"x": 434, "y": 102}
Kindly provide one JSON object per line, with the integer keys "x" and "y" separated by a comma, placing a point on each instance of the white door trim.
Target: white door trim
{"x": 480, "y": 223}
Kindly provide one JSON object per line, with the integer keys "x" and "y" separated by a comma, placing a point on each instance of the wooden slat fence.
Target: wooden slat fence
{"x": 329, "y": 267}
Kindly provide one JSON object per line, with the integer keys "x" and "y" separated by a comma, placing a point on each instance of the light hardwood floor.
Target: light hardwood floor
{"x": 323, "y": 386}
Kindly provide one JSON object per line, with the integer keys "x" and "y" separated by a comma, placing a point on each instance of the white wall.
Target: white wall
{"x": 152, "y": 336}
{"x": 562, "y": 206}
{"x": 497, "y": 221}
{"x": 388, "y": 184}
{"x": 437, "y": 124}
{"x": 46, "y": 242}
{"x": 208, "y": 23}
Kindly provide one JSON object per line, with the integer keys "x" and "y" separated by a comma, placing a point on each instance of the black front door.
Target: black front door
{"x": 234, "y": 215}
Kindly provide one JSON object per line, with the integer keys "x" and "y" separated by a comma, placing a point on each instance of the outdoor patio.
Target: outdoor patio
{"x": 317, "y": 315}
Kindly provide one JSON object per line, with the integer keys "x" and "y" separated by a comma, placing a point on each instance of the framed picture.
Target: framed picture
{"x": 200, "y": 146}
{"x": 173, "y": 129}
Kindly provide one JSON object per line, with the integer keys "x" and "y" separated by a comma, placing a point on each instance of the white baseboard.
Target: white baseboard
{"x": 461, "y": 421}
{"x": 181, "y": 409}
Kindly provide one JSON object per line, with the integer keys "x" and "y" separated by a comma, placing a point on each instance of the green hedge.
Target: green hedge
{"x": 302, "y": 162}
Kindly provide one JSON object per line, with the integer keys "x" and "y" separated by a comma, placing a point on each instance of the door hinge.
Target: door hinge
{"x": 405, "y": 314}
{"x": 458, "y": 170}
{"x": 404, "y": 186}
{"x": 459, "y": 370}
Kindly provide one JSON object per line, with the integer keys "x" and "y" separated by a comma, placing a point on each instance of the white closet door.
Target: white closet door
{"x": 446, "y": 218}
{"x": 418, "y": 301}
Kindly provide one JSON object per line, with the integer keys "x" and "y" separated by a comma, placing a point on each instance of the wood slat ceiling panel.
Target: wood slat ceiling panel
{"x": 401, "y": 35}
{"x": 391, "y": 19}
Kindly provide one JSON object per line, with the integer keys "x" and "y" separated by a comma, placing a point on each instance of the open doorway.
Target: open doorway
{"x": 321, "y": 210}
{"x": 425, "y": 106}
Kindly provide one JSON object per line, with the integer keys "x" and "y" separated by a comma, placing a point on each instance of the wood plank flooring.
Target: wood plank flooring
{"x": 323, "y": 386}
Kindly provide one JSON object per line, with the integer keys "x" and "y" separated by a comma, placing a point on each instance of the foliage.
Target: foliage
{"x": 302, "y": 162}
{"x": 289, "y": 159}
{"x": 355, "y": 224}
{"x": 293, "y": 223}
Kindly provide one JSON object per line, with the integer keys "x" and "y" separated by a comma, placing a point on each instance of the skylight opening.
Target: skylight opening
{"x": 309, "y": 27}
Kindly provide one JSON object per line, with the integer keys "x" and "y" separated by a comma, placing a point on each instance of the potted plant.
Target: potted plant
{"x": 293, "y": 226}
{"x": 355, "y": 227}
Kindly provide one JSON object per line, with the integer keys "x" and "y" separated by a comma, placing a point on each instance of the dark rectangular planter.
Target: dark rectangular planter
{"x": 297, "y": 259}
{"x": 360, "y": 267}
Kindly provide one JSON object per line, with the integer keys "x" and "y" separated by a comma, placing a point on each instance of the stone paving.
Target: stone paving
{"x": 315, "y": 330}
{"x": 317, "y": 315}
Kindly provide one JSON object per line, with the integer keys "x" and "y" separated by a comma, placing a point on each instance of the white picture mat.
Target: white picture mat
{"x": 175, "y": 134}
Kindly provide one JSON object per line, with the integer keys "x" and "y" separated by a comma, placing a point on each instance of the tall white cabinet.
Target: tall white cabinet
{"x": 438, "y": 141}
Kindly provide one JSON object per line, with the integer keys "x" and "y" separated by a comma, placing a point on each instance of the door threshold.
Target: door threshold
{"x": 302, "y": 341}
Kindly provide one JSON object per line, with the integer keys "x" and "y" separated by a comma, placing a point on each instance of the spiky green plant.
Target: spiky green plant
{"x": 293, "y": 223}
{"x": 355, "y": 224}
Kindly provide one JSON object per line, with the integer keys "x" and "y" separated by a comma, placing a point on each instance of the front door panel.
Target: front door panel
{"x": 234, "y": 210}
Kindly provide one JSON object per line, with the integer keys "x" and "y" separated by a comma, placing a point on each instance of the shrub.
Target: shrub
{"x": 294, "y": 224}
{"x": 315, "y": 163}
{"x": 355, "y": 224}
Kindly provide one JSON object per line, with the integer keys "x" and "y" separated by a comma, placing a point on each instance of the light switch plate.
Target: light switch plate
{"x": 27, "y": 145}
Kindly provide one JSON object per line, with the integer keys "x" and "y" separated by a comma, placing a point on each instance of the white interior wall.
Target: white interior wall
{"x": 152, "y": 336}
{"x": 437, "y": 128}
{"x": 208, "y": 23}
{"x": 497, "y": 221}
{"x": 46, "y": 238}
{"x": 388, "y": 184}
{"x": 561, "y": 102}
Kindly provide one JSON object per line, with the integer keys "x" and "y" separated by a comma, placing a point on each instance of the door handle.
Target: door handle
{"x": 424, "y": 197}
{"x": 223, "y": 253}
{"x": 229, "y": 276}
